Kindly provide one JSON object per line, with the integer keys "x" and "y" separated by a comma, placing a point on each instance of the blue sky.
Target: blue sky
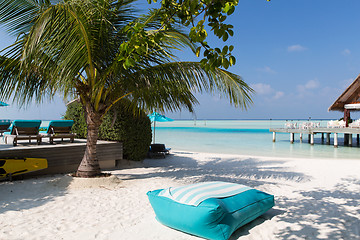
{"x": 298, "y": 55}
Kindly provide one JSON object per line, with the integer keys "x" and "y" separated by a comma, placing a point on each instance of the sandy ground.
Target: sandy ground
{"x": 315, "y": 199}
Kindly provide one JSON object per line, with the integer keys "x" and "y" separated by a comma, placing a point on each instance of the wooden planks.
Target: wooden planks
{"x": 64, "y": 158}
{"x": 348, "y": 132}
{"x": 317, "y": 130}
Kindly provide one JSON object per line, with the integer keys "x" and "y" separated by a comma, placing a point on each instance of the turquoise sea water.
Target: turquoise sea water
{"x": 247, "y": 137}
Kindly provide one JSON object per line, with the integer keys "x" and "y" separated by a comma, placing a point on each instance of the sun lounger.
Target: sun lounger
{"x": 23, "y": 130}
{"x": 336, "y": 124}
{"x": 290, "y": 125}
{"x": 59, "y": 129}
{"x": 355, "y": 124}
{"x": 158, "y": 150}
{"x": 4, "y": 126}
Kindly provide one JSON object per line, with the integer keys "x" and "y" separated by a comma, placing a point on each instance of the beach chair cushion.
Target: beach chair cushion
{"x": 23, "y": 130}
{"x": 158, "y": 147}
{"x": 59, "y": 124}
{"x": 212, "y": 210}
{"x": 32, "y": 125}
{"x": 4, "y": 125}
{"x": 158, "y": 150}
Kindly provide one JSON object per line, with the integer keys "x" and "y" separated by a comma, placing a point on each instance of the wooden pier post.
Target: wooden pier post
{"x": 274, "y": 136}
{"x": 350, "y": 140}
{"x": 348, "y": 135}
{"x": 328, "y": 138}
{"x": 346, "y": 139}
{"x": 335, "y": 140}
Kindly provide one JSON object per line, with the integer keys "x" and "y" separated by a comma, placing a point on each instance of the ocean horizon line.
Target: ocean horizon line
{"x": 254, "y": 119}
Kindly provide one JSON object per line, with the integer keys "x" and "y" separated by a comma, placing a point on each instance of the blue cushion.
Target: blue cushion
{"x": 61, "y": 123}
{"x": 23, "y": 123}
{"x": 212, "y": 212}
{"x": 5, "y": 121}
{"x": 58, "y": 123}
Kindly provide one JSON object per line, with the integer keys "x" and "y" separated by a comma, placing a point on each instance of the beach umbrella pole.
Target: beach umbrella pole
{"x": 154, "y": 131}
{"x": 160, "y": 118}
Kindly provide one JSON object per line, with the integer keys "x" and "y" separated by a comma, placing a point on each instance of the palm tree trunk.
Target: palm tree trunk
{"x": 89, "y": 166}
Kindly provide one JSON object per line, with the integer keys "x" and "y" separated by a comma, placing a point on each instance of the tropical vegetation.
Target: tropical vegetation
{"x": 103, "y": 53}
{"x": 119, "y": 124}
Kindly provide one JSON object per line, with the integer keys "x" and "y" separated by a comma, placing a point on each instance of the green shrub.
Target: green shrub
{"x": 119, "y": 124}
{"x": 75, "y": 112}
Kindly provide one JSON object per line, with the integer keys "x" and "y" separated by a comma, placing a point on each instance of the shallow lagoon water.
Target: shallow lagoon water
{"x": 247, "y": 137}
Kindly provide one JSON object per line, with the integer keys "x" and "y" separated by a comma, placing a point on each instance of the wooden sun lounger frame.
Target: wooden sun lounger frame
{"x": 60, "y": 132}
{"x": 158, "y": 150}
{"x": 24, "y": 133}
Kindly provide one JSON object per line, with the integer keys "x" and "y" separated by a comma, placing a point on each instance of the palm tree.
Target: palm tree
{"x": 98, "y": 51}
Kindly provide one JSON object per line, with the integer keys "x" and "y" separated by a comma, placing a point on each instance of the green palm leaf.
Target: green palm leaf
{"x": 97, "y": 50}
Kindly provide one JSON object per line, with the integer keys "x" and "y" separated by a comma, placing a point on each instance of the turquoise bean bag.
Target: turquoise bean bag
{"x": 212, "y": 210}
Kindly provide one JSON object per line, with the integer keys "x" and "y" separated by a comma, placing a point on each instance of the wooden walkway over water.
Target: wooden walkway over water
{"x": 311, "y": 132}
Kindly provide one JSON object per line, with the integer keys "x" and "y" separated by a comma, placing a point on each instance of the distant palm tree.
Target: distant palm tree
{"x": 98, "y": 51}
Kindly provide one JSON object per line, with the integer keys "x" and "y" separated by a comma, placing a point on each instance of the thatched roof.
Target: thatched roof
{"x": 350, "y": 95}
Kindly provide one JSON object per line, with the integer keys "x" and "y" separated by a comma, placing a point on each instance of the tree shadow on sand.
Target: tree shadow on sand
{"x": 245, "y": 230}
{"x": 315, "y": 214}
{"x": 30, "y": 193}
{"x": 248, "y": 171}
{"x": 336, "y": 210}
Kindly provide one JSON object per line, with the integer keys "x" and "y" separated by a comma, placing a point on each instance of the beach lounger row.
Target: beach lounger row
{"x": 336, "y": 124}
{"x": 342, "y": 124}
{"x": 29, "y": 130}
{"x": 355, "y": 124}
{"x": 304, "y": 125}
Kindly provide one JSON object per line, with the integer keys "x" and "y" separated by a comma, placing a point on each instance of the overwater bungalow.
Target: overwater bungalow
{"x": 348, "y": 101}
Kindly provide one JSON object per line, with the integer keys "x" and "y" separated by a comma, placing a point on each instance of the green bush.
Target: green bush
{"x": 119, "y": 124}
{"x": 75, "y": 112}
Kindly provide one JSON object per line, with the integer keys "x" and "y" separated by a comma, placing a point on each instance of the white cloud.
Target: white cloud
{"x": 262, "y": 89}
{"x": 346, "y": 52}
{"x": 278, "y": 95}
{"x": 266, "y": 69}
{"x": 267, "y": 90}
{"x": 310, "y": 85}
{"x": 296, "y": 48}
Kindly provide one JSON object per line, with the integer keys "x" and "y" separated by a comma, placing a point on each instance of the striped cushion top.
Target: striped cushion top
{"x": 196, "y": 193}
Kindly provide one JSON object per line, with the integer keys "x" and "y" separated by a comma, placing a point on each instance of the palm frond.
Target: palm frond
{"x": 18, "y": 16}
{"x": 76, "y": 47}
{"x": 170, "y": 86}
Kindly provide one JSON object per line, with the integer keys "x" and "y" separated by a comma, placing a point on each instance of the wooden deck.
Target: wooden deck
{"x": 63, "y": 157}
{"x": 311, "y": 132}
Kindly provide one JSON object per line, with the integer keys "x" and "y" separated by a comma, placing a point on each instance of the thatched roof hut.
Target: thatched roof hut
{"x": 349, "y": 99}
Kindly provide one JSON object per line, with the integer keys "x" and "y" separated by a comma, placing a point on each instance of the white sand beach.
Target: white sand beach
{"x": 315, "y": 199}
